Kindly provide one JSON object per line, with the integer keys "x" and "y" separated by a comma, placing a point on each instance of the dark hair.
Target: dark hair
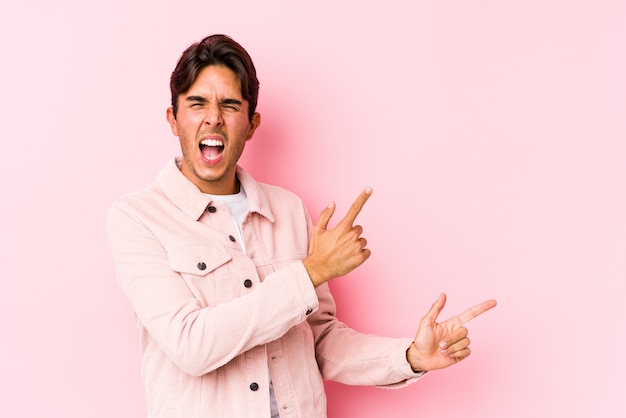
{"x": 215, "y": 50}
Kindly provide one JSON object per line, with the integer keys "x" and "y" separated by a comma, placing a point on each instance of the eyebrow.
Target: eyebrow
{"x": 201, "y": 99}
{"x": 196, "y": 99}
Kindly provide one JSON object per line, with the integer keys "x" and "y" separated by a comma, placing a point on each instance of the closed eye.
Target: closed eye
{"x": 231, "y": 104}
{"x": 196, "y": 101}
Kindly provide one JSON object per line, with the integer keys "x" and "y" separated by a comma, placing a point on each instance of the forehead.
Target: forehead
{"x": 216, "y": 80}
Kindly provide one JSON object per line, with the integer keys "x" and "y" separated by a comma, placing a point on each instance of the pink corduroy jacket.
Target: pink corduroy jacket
{"x": 215, "y": 322}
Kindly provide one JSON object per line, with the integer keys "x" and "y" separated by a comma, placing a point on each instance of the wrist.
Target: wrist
{"x": 313, "y": 271}
{"x": 412, "y": 359}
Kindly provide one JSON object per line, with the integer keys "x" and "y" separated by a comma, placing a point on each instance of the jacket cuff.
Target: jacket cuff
{"x": 401, "y": 364}
{"x": 304, "y": 288}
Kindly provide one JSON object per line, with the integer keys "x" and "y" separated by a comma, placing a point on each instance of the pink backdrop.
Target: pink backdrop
{"x": 494, "y": 132}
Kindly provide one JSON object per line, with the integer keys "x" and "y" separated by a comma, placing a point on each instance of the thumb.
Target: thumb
{"x": 431, "y": 316}
{"x": 327, "y": 213}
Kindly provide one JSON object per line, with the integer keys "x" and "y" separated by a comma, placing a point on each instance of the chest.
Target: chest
{"x": 207, "y": 253}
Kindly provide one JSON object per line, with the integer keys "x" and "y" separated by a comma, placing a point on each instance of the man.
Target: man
{"x": 228, "y": 278}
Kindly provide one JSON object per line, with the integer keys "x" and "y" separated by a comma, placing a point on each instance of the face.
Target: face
{"x": 213, "y": 127}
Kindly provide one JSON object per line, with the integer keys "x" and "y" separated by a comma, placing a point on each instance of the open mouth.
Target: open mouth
{"x": 211, "y": 149}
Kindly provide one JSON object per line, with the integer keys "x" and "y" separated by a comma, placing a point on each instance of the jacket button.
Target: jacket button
{"x": 211, "y": 209}
{"x": 230, "y": 237}
{"x": 309, "y": 311}
{"x": 201, "y": 266}
{"x": 247, "y": 283}
{"x": 254, "y": 386}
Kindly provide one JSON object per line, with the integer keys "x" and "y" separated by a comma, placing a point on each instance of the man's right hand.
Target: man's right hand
{"x": 336, "y": 252}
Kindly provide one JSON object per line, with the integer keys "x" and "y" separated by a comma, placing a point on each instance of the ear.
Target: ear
{"x": 169, "y": 115}
{"x": 254, "y": 123}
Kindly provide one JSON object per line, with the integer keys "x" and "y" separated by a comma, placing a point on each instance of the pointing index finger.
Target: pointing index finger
{"x": 476, "y": 310}
{"x": 356, "y": 206}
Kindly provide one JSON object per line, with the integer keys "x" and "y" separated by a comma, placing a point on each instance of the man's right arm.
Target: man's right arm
{"x": 200, "y": 339}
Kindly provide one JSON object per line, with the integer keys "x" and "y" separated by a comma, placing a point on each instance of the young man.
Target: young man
{"x": 227, "y": 276}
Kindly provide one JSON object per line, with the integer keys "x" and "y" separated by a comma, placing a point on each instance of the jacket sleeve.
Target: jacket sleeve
{"x": 354, "y": 358}
{"x": 347, "y": 356}
{"x": 200, "y": 339}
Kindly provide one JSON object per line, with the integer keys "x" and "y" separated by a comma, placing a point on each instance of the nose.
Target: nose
{"x": 213, "y": 116}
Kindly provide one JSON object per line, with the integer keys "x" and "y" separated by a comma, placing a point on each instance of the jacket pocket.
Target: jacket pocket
{"x": 197, "y": 260}
{"x": 204, "y": 268}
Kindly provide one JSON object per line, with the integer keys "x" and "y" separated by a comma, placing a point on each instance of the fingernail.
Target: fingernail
{"x": 443, "y": 345}
{"x": 368, "y": 190}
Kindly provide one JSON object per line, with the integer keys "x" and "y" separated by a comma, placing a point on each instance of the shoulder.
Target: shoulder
{"x": 136, "y": 203}
{"x": 281, "y": 199}
{"x": 283, "y": 204}
{"x": 277, "y": 192}
{"x": 139, "y": 197}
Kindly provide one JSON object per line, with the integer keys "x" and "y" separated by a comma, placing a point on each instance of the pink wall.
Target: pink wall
{"x": 494, "y": 132}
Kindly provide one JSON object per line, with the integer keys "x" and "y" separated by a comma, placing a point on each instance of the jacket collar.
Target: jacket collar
{"x": 189, "y": 199}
